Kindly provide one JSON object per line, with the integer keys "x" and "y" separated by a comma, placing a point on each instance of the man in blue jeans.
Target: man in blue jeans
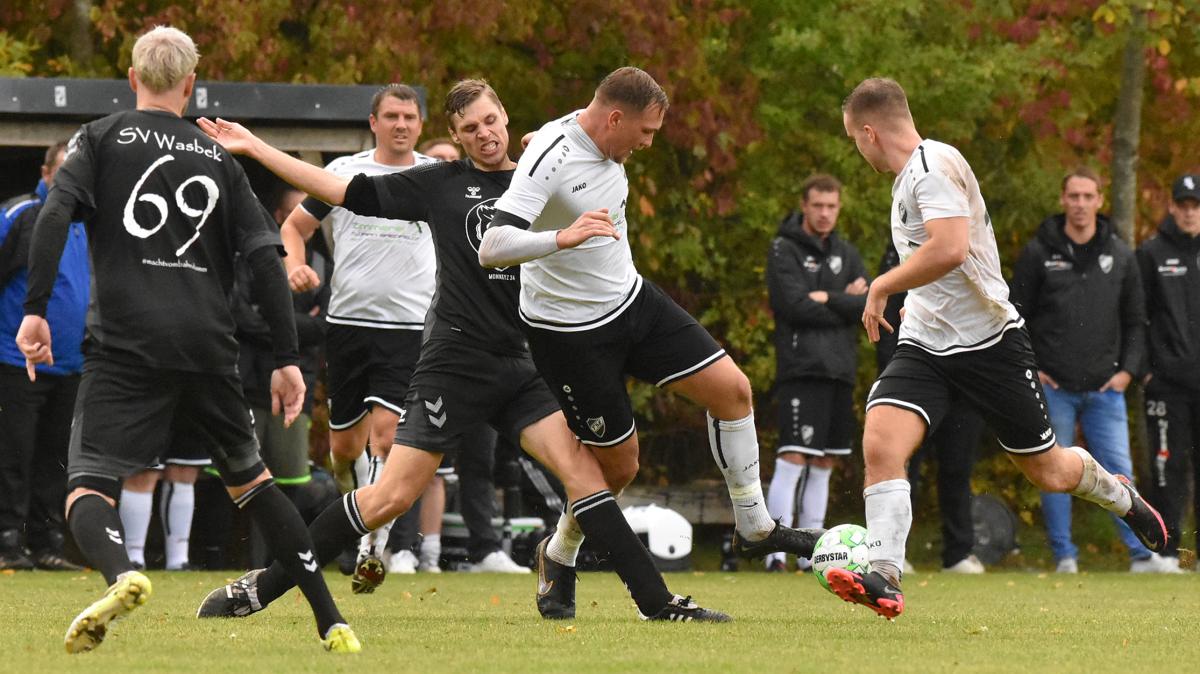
{"x": 1078, "y": 287}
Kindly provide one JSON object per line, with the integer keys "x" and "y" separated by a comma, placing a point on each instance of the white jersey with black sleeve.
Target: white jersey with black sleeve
{"x": 968, "y": 308}
{"x": 384, "y": 270}
{"x": 561, "y": 175}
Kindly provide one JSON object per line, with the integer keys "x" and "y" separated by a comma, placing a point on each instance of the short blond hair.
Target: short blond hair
{"x": 877, "y": 96}
{"x": 164, "y": 56}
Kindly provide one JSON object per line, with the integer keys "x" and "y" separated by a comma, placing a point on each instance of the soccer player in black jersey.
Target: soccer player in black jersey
{"x": 166, "y": 211}
{"x": 474, "y": 365}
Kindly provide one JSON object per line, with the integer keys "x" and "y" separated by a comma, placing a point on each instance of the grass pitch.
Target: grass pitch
{"x": 1000, "y": 622}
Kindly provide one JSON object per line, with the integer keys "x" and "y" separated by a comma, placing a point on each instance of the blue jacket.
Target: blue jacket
{"x": 67, "y": 311}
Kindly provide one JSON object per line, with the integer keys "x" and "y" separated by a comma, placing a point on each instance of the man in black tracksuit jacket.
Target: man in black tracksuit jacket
{"x": 1170, "y": 270}
{"x": 1077, "y": 286}
{"x": 817, "y": 285}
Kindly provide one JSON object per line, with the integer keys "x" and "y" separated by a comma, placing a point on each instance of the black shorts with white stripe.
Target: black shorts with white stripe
{"x": 457, "y": 386}
{"x": 999, "y": 381}
{"x": 653, "y": 340}
{"x": 368, "y": 367}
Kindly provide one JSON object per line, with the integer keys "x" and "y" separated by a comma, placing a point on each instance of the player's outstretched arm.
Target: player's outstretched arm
{"x": 947, "y": 248}
{"x": 298, "y": 173}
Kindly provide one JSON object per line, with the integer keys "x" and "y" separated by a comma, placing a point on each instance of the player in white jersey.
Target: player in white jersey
{"x": 960, "y": 339}
{"x": 591, "y": 319}
{"x": 383, "y": 278}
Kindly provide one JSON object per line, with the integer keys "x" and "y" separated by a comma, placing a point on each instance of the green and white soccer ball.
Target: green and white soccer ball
{"x": 843, "y": 547}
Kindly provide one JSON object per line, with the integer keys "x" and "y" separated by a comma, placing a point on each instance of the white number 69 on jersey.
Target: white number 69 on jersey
{"x": 131, "y": 223}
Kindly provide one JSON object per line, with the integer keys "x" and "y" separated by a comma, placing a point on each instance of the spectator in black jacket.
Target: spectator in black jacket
{"x": 818, "y": 286}
{"x": 954, "y": 444}
{"x": 1170, "y": 265}
{"x": 1077, "y": 286}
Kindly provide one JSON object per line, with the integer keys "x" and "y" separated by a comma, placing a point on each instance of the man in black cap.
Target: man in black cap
{"x": 1170, "y": 265}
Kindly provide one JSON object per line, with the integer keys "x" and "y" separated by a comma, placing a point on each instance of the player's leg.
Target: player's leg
{"x": 477, "y": 491}
{"x": 176, "y": 508}
{"x": 340, "y": 524}
{"x": 1001, "y": 382}
{"x": 1063, "y": 408}
{"x": 1105, "y": 425}
{"x": 1168, "y": 423}
{"x": 136, "y": 508}
{"x": 213, "y": 411}
{"x": 956, "y": 443}
{"x": 433, "y": 508}
{"x": 121, "y": 415}
{"x": 790, "y": 462}
{"x": 348, "y": 350}
{"x": 392, "y": 356}
{"x": 551, "y": 442}
{"x": 724, "y": 392}
{"x": 20, "y": 400}
{"x": 44, "y": 531}
{"x": 909, "y": 399}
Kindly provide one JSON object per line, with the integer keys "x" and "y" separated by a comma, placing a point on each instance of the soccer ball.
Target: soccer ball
{"x": 842, "y": 547}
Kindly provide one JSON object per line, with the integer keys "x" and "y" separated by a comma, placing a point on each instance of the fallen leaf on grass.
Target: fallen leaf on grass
{"x": 569, "y": 629}
{"x": 8, "y": 572}
{"x": 978, "y": 630}
{"x": 495, "y": 600}
{"x": 406, "y": 594}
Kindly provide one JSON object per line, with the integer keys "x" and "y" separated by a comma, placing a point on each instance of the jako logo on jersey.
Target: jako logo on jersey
{"x": 580, "y": 186}
{"x": 473, "y": 193}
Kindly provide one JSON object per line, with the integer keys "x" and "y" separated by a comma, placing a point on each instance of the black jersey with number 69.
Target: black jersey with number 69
{"x": 471, "y": 303}
{"x": 166, "y": 210}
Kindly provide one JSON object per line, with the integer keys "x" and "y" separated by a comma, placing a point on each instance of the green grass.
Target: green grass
{"x": 1001, "y": 622}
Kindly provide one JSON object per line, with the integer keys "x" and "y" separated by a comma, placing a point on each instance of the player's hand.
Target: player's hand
{"x": 857, "y": 287}
{"x": 303, "y": 278}
{"x": 1119, "y": 382}
{"x": 819, "y": 296}
{"x": 526, "y": 138}
{"x": 872, "y": 317}
{"x": 33, "y": 339}
{"x": 287, "y": 393}
{"x": 591, "y": 223}
{"x": 231, "y": 135}
{"x": 1047, "y": 380}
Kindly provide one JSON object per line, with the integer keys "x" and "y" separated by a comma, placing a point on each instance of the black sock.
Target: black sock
{"x": 602, "y": 521}
{"x": 97, "y": 529}
{"x": 331, "y": 532}
{"x": 292, "y": 548}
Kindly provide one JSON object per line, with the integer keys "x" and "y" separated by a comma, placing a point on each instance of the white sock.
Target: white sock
{"x": 781, "y": 499}
{"x": 889, "y": 517}
{"x": 431, "y": 549}
{"x": 734, "y": 446}
{"x": 175, "y": 510}
{"x": 368, "y": 469}
{"x": 135, "y": 519}
{"x": 814, "y": 497}
{"x": 564, "y": 544}
{"x": 1100, "y": 486}
{"x": 363, "y": 468}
